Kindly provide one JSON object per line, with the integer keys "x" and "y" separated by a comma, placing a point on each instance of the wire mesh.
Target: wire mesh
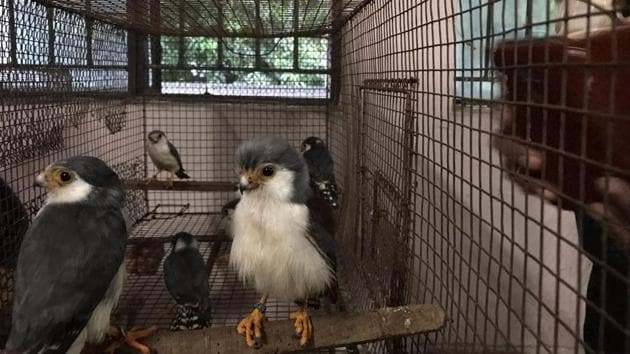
{"x": 439, "y": 115}
{"x": 58, "y": 100}
{"x": 216, "y": 18}
{"x": 511, "y": 268}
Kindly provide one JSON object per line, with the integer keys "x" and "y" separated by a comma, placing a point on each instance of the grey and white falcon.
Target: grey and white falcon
{"x": 70, "y": 268}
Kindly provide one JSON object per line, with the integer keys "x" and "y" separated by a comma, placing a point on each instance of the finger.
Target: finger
{"x": 506, "y": 118}
{"x": 618, "y": 193}
{"x": 519, "y": 153}
{"x": 536, "y": 186}
{"x": 608, "y": 218}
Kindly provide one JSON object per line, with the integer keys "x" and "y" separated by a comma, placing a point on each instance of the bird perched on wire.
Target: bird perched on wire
{"x": 276, "y": 246}
{"x": 321, "y": 169}
{"x": 165, "y": 157}
{"x": 186, "y": 278}
{"x": 70, "y": 268}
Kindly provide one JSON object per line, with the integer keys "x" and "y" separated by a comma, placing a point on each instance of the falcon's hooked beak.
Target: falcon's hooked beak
{"x": 247, "y": 182}
{"x": 40, "y": 181}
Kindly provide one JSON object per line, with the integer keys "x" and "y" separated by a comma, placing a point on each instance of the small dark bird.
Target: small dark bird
{"x": 186, "y": 278}
{"x": 321, "y": 169}
{"x": 164, "y": 156}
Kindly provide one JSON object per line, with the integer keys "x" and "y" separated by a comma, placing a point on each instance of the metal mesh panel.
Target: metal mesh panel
{"x": 54, "y": 103}
{"x": 439, "y": 115}
{"x": 216, "y": 18}
{"x": 512, "y": 268}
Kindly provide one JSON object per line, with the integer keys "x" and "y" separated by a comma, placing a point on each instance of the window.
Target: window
{"x": 480, "y": 24}
{"x": 45, "y": 49}
{"x": 239, "y": 66}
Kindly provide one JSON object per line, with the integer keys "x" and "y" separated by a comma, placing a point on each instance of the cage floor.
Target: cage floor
{"x": 145, "y": 300}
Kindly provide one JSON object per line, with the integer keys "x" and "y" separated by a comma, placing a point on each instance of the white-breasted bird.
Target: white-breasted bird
{"x": 165, "y": 157}
{"x": 70, "y": 269}
{"x": 276, "y": 247}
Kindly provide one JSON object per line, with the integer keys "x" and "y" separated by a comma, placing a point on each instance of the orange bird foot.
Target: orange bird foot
{"x": 303, "y": 326}
{"x": 131, "y": 339}
{"x": 251, "y": 328}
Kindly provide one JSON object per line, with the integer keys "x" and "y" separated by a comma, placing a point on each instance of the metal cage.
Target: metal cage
{"x": 479, "y": 148}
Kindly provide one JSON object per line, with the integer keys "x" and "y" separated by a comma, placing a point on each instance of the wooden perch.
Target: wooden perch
{"x": 196, "y": 186}
{"x": 334, "y": 330}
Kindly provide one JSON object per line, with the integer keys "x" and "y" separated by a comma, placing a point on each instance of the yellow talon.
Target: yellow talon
{"x": 251, "y": 328}
{"x": 303, "y": 326}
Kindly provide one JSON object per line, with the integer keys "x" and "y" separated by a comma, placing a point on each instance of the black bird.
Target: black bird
{"x": 321, "y": 169}
{"x": 186, "y": 278}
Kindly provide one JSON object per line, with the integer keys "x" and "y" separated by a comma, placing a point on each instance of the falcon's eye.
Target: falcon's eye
{"x": 65, "y": 177}
{"x": 267, "y": 171}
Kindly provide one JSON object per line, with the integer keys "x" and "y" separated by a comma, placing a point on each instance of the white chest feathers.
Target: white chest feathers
{"x": 162, "y": 157}
{"x": 271, "y": 249}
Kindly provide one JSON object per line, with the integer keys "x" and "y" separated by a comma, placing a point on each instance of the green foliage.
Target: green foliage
{"x": 240, "y": 54}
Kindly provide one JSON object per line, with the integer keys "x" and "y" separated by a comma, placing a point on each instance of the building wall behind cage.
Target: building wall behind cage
{"x": 207, "y": 135}
{"x": 504, "y": 265}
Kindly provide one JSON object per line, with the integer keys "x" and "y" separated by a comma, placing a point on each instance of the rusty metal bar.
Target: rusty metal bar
{"x": 12, "y": 33}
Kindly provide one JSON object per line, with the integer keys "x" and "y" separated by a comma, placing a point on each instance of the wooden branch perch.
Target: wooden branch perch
{"x": 335, "y": 330}
{"x": 197, "y": 186}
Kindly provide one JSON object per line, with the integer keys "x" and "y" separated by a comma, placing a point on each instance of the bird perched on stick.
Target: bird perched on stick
{"x": 186, "y": 278}
{"x": 70, "y": 269}
{"x": 276, "y": 246}
{"x": 165, "y": 157}
{"x": 321, "y": 169}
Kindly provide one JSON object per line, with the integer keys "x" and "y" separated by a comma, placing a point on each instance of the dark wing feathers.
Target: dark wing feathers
{"x": 186, "y": 277}
{"x": 321, "y": 170}
{"x": 320, "y": 164}
{"x": 67, "y": 260}
{"x": 325, "y": 244}
{"x": 176, "y": 155}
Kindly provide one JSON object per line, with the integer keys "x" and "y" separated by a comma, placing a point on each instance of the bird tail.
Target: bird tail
{"x": 181, "y": 174}
{"x": 328, "y": 191}
{"x": 189, "y": 317}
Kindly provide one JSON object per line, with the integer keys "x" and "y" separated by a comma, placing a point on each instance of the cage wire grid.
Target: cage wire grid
{"x": 413, "y": 97}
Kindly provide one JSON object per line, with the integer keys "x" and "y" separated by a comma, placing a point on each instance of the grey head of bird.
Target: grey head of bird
{"x": 273, "y": 167}
{"x": 82, "y": 179}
